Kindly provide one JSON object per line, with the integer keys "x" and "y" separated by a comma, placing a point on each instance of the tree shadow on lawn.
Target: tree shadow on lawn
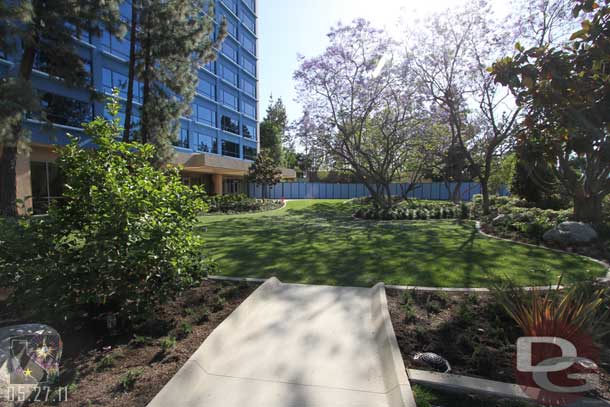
{"x": 322, "y": 244}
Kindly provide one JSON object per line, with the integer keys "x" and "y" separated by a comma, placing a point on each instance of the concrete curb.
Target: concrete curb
{"x": 400, "y": 393}
{"x": 393, "y": 287}
{"x": 468, "y": 385}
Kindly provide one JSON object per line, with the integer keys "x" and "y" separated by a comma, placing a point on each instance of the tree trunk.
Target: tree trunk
{"x": 8, "y": 181}
{"x": 388, "y": 196}
{"x": 8, "y": 163}
{"x": 588, "y": 208}
{"x": 144, "y": 129}
{"x": 485, "y": 193}
{"x": 132, "y": 70}
{"x": 456, "y": 195}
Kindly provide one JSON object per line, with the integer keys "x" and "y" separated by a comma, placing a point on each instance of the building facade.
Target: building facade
{"x": 217, "y": 142}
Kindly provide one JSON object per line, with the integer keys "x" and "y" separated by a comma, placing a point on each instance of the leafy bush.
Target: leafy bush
{"x": 129, "y": 379}
{"x": 123, "y": 240}
{"x": 167, "y": 343}
{"x": 519, "y": 217}
{"x": 240, "y": 203}
{"x": 414, "y": 209}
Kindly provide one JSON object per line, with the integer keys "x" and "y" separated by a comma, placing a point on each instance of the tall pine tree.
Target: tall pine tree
{"x": 173, "y": 39}
{"x": 41, "y": 26}
{"x": 273, "y": 129}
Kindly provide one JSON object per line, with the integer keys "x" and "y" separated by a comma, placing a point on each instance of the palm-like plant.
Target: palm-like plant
{"x": 567, "y": 312}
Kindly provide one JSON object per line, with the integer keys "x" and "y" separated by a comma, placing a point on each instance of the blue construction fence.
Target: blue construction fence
{"x": 321, "y": 190}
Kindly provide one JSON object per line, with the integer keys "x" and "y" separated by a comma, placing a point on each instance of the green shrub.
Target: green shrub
{"x": 140, "y": 341}
{"x": 129, "y": 379}
{"x": 240, "y": 203}
{"x": 409, "y": 312}
{"x": 218, "y": 304}
{"x": 184, "y": 330}
{"x": 168, "y": 343}
{"x": 105, "y": 362}
{"x": 123, "y": 239}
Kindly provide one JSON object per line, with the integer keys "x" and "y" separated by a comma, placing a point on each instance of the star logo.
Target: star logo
{"x": 43, "y": 352}
{"x": 27, "y": 372}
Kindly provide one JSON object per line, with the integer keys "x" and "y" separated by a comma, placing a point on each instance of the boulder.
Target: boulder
{"x": 500, "y": 219}
{"x": 29, "y": 356}
{"x": 571, "y": 233}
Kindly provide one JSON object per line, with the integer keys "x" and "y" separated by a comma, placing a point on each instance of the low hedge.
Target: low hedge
{"x": 416, "y": 210}
{"x": 240, "y": 203}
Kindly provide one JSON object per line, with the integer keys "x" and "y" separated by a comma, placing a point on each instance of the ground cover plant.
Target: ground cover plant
{"x": 319, "y": 242}
{"x": 412, "y": 209}
{"x": 240, "y": 203}
{"x": 130, "y": 368}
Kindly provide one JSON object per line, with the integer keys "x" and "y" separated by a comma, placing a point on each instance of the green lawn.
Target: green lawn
{"x": 318, "y": 242}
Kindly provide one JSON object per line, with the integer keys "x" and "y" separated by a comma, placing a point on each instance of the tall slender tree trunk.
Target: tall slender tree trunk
{"x": 485, "y": 193}
{"x": 132, "y": 70}
{"x": 8, "y": 163}
{"x": 144, "y": 130}
{"x": 8, "y": 181}
{"x": 454, "y": 194}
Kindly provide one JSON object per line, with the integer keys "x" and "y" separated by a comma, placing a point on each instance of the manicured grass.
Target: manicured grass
{"x": 318, "y": 242}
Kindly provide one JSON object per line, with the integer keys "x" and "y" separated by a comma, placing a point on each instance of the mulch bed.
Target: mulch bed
{"x": 470, "y": 330}
{"x": 94, "y": 363}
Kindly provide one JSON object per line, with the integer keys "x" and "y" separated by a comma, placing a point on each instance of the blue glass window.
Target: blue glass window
{"x": 66, "y": 111}
{"x": 231, "y": 25}
{"x": 231, "y": 4}
{"x": 205, "y": 115}
{"x": 250, "y": 3}
{"x": 229, "y": 50}
{"x": 115, "y": 46}
{"x": 249, "y": 109}
{"x": 248, "y": 131}
{"x": 183, "y": 139}
{"x": 249, "y": 153}
{"x": 111, "y": 79}
{"x": 207, "y": 88}
{"x": 249, "y": 22}
{"x": 229, "y": 124}
{"x": 249, "y": 87}
{"x": 230, "y": 149}
{"x": 229, "y": 99}
{"x": 249, "y": 43}
{"x": 210, "y": 66}
{"x": 228, "y": 74}
{"x": 249, "y": 65}
{"x": 206, "y": 143}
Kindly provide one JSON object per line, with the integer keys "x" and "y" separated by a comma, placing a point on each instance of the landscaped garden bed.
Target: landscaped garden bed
{"x": 471, "y": 330}
{"x": 516, "y": 219}
{"x": 129, "y": 369}
{"x": 230, "y": 204}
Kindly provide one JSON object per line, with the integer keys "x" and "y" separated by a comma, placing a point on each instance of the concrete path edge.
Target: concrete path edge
{"x": 471, "y": 385}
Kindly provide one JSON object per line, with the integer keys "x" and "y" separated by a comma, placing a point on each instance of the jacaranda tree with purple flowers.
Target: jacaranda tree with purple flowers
{"x": 365, "y": 101}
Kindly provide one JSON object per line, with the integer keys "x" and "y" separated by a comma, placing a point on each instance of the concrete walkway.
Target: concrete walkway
{"x": 290, "y": 345}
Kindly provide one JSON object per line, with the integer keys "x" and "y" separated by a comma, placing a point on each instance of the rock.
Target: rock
{"x": 571, "y": 233}
{"x": 499, "y": 219}
{"x": 29, "y": 355}
{"x": 433, "y": 361}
